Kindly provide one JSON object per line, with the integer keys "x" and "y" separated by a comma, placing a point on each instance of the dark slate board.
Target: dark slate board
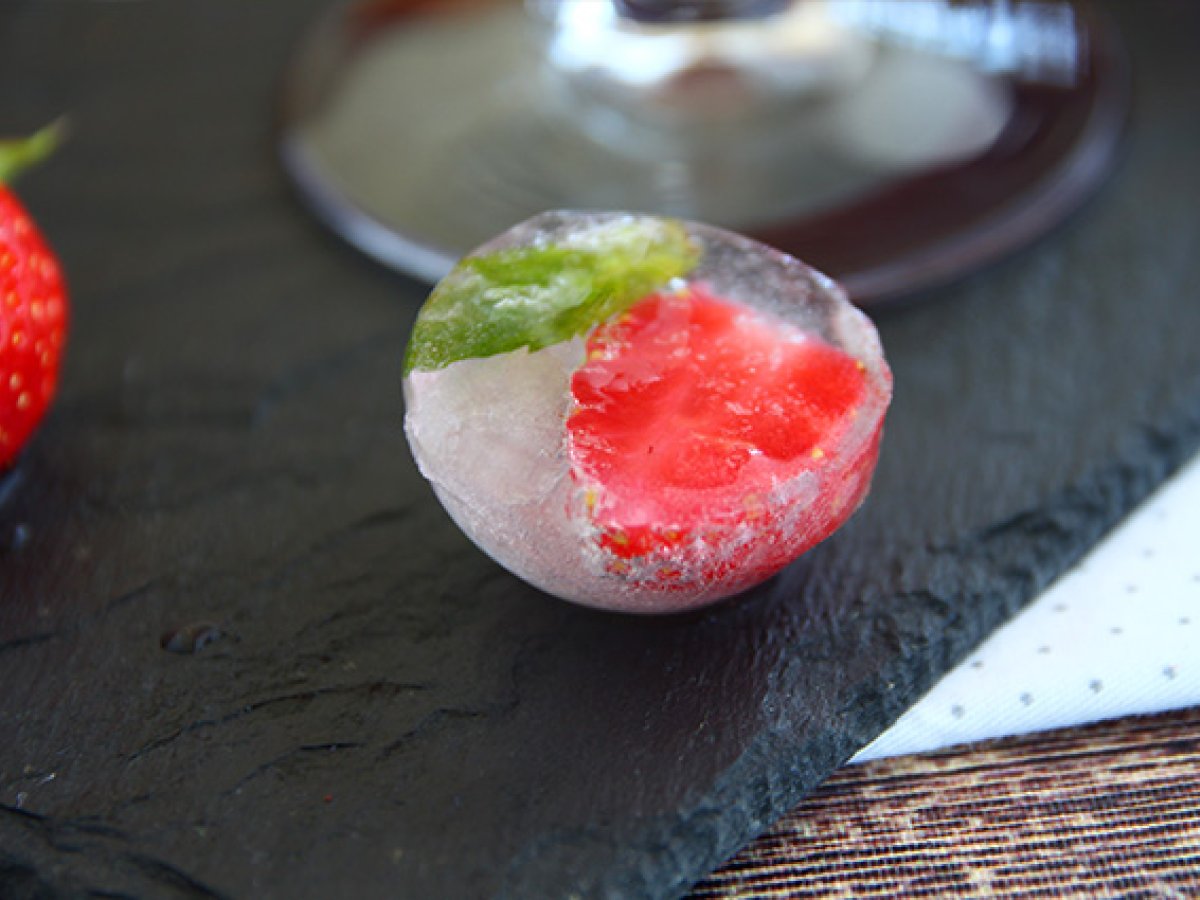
{"x": 390, "y": 713}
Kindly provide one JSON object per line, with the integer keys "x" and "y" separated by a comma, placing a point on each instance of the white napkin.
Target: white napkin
{"x": 1117, "y": 635}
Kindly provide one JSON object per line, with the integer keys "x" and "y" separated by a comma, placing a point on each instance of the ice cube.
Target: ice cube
{"x": 549, "y": 367}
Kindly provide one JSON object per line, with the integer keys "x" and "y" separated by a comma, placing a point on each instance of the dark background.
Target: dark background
{"x": 389, "y": 712}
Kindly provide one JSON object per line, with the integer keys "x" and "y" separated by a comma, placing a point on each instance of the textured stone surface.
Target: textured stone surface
{"x": 387, "y": 712}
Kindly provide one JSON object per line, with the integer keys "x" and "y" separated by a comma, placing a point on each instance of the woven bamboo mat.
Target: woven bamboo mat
{"x": 1105, "y": 810}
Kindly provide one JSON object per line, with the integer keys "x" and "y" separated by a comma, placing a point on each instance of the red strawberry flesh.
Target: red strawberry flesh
{"x": 691, "y": 413}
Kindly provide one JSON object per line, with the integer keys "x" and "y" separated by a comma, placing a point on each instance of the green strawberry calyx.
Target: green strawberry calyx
{"x": 18, "y": 154}
{"x": 540, "y": 295}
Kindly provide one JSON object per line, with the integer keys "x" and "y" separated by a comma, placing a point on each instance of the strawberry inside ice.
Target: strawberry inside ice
{"x": 691, "y": 410}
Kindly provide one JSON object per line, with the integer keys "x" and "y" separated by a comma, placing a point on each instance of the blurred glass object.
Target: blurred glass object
{"x": 875, "y": 138}
{"x": 1036, "y": 41}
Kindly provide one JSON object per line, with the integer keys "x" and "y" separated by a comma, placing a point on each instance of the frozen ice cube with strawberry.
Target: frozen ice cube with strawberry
{"x": 642, "y": 414}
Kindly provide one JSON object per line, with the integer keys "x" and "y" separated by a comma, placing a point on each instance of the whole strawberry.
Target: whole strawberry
{"x": 33, "y": 308}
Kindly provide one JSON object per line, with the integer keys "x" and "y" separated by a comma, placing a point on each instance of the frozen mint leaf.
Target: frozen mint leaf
{"x": 541, "y": 295}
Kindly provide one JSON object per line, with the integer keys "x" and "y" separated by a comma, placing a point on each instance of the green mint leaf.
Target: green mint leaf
{"x": 540, "y": 295}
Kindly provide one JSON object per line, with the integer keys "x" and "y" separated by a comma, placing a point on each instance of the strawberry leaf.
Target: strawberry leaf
{"x": 541, "y": 295}
{"x": 17, "y": 154}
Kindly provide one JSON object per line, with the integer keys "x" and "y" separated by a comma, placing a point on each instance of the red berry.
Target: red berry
{"x": 33, "y": 321}
{"x": 694, "y": 419}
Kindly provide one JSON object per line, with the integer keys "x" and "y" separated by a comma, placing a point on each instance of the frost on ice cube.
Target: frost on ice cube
{"x": 490, "y": 431}
{"x": 642, "y": 414}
